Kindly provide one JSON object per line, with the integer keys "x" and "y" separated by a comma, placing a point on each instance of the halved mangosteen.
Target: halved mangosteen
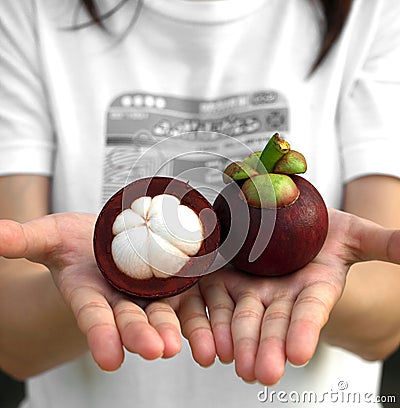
{"x": 156, "y": 237}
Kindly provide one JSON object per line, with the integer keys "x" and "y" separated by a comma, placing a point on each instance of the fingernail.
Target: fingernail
{"x": 249, "y": 381}
{"x": 298, "y": 366}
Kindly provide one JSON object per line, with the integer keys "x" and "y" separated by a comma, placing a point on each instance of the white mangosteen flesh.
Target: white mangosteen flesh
{"x": 155, "y": 237}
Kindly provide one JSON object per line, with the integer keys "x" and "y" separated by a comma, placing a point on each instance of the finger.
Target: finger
{"x": 196, "y": 327}
{"x": 40, "y": 240}
{"x": 375, "y": 242}
{"x": 137, "y": 335}
{"x": 25, "y": 240}
{"x": 163, "y": 318}
{"x": 246, "y": 324}
{"x": 220, "y": 307}
{"x": 393, "y": 247}
{"x": 271, "y": 356}
{"x": 310, "y": 313}
{"x": 95, "y": 318}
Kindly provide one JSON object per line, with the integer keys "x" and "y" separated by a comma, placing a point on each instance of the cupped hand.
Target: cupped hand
{"x": 110, "y": 320}
{"x": 260, "y": 322}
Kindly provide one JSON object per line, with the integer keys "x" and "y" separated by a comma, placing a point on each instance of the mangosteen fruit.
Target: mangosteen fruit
{"x": 273, "y": 221}
{"x": 155, "y": 237}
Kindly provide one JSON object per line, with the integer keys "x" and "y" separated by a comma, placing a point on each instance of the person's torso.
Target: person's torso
{"x": 181, "y": 90}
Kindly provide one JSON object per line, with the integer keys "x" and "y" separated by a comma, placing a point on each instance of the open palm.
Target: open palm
{"x": 261, "y": 322}
{"x": 110, "y": 321}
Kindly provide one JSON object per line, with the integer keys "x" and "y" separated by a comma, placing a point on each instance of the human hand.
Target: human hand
{"x": 110, "y": 321}
{"x": 261, "y": 322}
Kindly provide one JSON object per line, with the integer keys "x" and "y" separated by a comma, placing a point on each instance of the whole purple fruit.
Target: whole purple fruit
{"x": 287, "y": 220}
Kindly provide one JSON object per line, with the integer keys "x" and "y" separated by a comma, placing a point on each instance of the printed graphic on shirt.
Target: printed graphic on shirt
{"x": 189, "y": 139}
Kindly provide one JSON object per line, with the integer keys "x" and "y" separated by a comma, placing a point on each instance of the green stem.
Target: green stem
{"x": 275, "y": 149}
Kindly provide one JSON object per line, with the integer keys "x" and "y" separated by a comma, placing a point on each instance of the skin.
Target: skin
{"x": 257, "y": 322}
{"x": 75, "y": 310}
{"x": 274, "y": 320}
{"x": 375, "y": 198}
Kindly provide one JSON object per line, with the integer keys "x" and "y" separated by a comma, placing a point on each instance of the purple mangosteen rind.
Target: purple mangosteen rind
{"x": 192, "y": 271}
{"x": 299, "y": 231}
{"x": 290, "y": 206}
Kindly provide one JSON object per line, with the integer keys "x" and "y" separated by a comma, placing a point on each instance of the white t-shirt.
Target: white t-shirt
{"x": 95, "y": 112}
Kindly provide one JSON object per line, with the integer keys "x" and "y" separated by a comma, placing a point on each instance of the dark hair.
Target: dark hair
{"x": 335, "y": 15}
{"x": 97, "y": 18}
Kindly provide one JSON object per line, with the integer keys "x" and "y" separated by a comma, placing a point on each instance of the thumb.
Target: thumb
{"x": 376, "y": 242}
{"x": 33, "y": 240}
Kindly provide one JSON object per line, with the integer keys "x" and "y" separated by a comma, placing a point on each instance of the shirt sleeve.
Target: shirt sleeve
{"x": 369, "y": 115}
{"x": 26, "y": 135}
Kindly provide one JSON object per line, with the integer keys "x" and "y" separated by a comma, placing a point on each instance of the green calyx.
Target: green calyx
{"x": 270, "y": 191}
{"x": 238, "y": 171}
{"x": 291, "y": 163}
{"x": 266, "y": 175}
